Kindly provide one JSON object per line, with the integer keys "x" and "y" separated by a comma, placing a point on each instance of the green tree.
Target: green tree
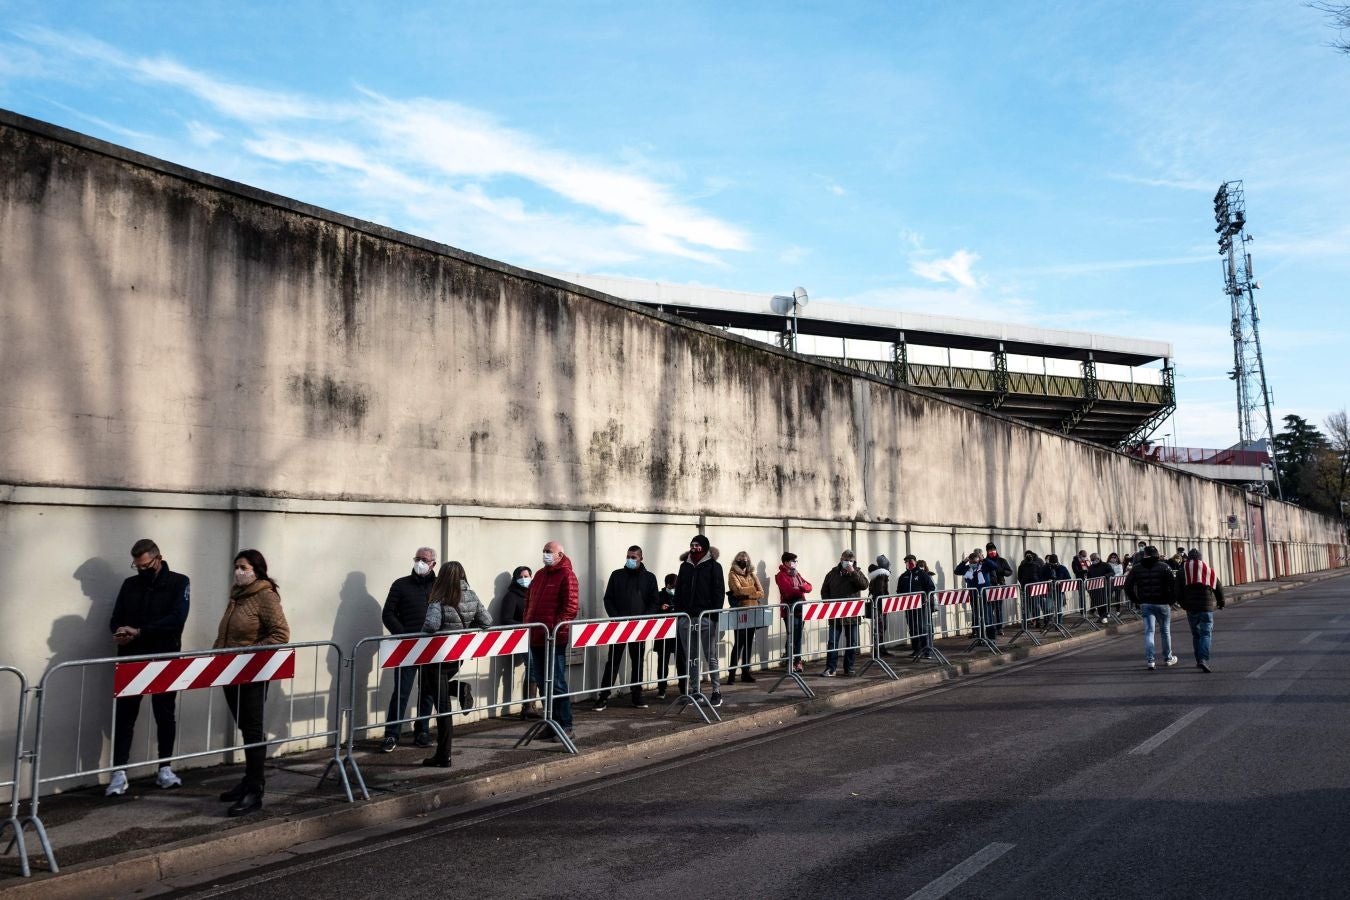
{"x": 1297, "y": 449}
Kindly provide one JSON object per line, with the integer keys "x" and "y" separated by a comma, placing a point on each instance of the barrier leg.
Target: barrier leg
{"x": 1055, "y": 620}
{"x": 979, "y": 608}
{"x": 1023, "y": 624}
{"x": 342, "y": 751}
{"x": 875, "y": 659}
{"x": 929, "y": 650}
{"x": 547, "y": 723}
{"x": 693, "y": 695}
{"x": 791, "y": 656}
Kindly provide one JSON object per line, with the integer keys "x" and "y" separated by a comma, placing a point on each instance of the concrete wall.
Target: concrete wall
{"x": 217, "y": 367}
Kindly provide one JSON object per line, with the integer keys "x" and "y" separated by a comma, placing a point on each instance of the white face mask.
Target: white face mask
{"x": 243, "y": 577}
{"x": 523, "y": 582}
{"x": 421, "y": 567}
{"x": 846, "y": 565}
{"x": 548, "y": 559}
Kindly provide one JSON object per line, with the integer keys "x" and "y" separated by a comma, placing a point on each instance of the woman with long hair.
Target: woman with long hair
{"x": 453, "y": 606}
{"x": 252, "y": 618}
{"x": 744, "y": 589}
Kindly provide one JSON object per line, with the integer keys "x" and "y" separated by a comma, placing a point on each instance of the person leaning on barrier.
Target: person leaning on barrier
{"x": 1031, "y": 569}
{"x": 913, "y": 580}
{"x": 1099, "y": 569}
{"x": 701, "y": 586}
{"x": 453, "y": 607}
{"x": 148, "y": 617}
{"x": 1151, "y": 586}
{"x": 405, "y": 609}
{"x": 666, "y": 648}
{"x": 879, "y": 585}
{"x": 843, "y": 582}
{"x": 1201, "y": 595}
{"x": 792, "y": 588}
{"x": 513, "y": 613}
{"x": 743, "y": 589}
{"x": 252, "y": 618}
{"x": 631, "y": 591}
{"x": 553, "y": 599}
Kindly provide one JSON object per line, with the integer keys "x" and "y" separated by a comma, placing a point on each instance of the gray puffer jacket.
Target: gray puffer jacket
{"x": 471, "y": 613}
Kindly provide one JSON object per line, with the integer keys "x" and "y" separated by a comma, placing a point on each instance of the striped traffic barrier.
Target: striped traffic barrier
{"x": 1031, "y": 602}
{"x": 1099, "y": 599}
{"x": 956, "y": 600}
{"x": 430, "y": 655}
{"x": 917, "y": 630}
{"x": 1122, "y": 607}
{"x": 13, "y": 824}
{"x": 1000, "y": 608}
{"x": 1071, "y": 591}
{"x": 184, "y": 673}
{"x": 842, "y": 636}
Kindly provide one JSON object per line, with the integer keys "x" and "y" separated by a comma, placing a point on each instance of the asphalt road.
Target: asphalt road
{"x": 1080, "y": 775}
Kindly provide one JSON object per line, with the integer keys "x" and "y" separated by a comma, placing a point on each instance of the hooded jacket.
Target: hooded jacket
{"x": 513, "y": 601}
{"x": 700, "y": 586}
{"x": 879, "y": 583}
{"x": 1196, "y": 594}
{"x": 744, "y": 588}
{"x": 406, "y": 606}
{"x": 998, "y": 569}
{"x": 1151, "y": 581}
{"x": 253, "y": 617}
{"x": 792, "y": 587}
{"x": 157, "y": 606}
{"x": 553, "y": 598}
{"x": 1030, "y": 570}
{"x": 631, "y": 592}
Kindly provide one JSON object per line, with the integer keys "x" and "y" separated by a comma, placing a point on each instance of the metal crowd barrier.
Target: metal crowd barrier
{"x": 832, "y": 612}
{"x": 13, "y": 822}
{"x": 183, "y": 672}
{"x": 698, "y": 638}
{"x": 467, "y": 648}
{"x": 1054, "y": 607}
{"x": 1123, "y": 605}
{"x": 1099, "y": 599}
{"x": 915, "y": 627}
{"x": 956, "y": 599}
{"x": 1032, "y": 597}
{"x": 993, "y": 614}
{"x": 1072, "y": 590}
{"x": 742, "y": 624}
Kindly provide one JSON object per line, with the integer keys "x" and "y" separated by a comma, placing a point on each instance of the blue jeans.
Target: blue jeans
{"x": 1160, "y": 613}
{"x": 847, "y": 629}
{"x": 1202, "y": 630}
{"x": 398, "y": 704}
{"x": 562, "y": 707}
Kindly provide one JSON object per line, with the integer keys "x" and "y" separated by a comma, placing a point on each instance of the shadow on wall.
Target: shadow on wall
{"x": 357, "y": 616}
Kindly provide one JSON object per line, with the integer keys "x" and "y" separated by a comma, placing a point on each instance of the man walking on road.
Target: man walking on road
{"x": 1201, "y": 595}
{"x": 405, "y": 609}
{"x": 1151, "y": 586}
{"x": 553, "y": 598}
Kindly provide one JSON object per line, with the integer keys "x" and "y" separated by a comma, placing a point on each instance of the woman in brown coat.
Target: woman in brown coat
{"x": 253, "y": 617}
{"x": 744, "y": 589}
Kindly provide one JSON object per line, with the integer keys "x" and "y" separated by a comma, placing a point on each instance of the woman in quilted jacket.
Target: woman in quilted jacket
{"x": 453, "y": 606}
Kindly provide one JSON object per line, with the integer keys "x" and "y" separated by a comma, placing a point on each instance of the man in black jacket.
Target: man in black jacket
{"x": 631, "y": 591}
{"x": 405, "y": 609}
{"x": 1151, "y": 586}
{"x": 701, "y": 586}
{"x": 842, "y": 582}
{"x": 148, "y": 617}
{"x": 912, "y": 581}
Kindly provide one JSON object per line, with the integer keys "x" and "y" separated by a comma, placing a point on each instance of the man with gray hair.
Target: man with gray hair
{"x": 405, "y": 609}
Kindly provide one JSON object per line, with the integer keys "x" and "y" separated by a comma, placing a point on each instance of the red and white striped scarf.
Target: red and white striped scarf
{"x": 1198, "y": 572}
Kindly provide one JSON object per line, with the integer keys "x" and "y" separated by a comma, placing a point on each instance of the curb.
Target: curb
{"x": 124, "y": 873}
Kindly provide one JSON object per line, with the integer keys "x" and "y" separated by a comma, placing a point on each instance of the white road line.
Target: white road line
{"x": 1265, "y": 667}
{"x": 1310, "y": 637}
{"x": 945, "y": 884}
{"x": 1154, "y": 742}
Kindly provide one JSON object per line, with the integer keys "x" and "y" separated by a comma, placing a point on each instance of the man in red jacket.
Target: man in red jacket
{"x": 552, "y": 600}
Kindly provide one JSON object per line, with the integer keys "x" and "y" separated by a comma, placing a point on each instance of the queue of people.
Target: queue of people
{"x": 152, "y": 607}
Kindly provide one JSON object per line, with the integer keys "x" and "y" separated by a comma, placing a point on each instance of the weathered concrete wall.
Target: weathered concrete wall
{"x": 217, "y": 367}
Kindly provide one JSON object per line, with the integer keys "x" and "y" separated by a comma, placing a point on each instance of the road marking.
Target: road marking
{"x": 1309, "y": 638}
{"x": 1338, "y": 620}
{"x": 1265, "y": 667}
{"x": 945, "y": 884}
{"x": 1154, "y": 742}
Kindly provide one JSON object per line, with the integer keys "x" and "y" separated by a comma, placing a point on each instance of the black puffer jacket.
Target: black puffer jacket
{"x": 1030, "y": 570}
{"x": 702, "y": 586}
{"x": 631, "y": 592}
{"x": 158, "y": 606}
{"x": 405, "y": 609}
{"x": 513, "y": 601}
{"x": 911, "y": 581}
{"x": 1151, "y": 581}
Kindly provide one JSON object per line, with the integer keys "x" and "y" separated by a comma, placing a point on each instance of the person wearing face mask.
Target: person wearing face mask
{"x": 792, "y": 588}
{"x": 405, "y": 608}
{"x": 553, "y": 599}
{"x": 148, "y": 617}
{"x": 666, "y": 648}
{"x": 513, "y": 613}
{"x": 999, "y": 571}
{"x": 843, "y": 582}
{"x": 700, "y": 586}
{"x": 1029, "y": 571}
{"x": 1097, "y": 568}
{"x": 453, "y": 606}
{"x": 912, "y": 581}
{"x": 879, "y": 585}
{"x": 1080, "y": 564}
{"x": 631, "y": 591}
{"x": 743, "y": 589}
{"x": 252, "y": 618}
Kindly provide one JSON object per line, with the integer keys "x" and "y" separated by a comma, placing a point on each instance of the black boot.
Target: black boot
{"x": 235, "y": 793}
{"x": 250, "y": 801}
{"x": 441, "y": 758}
{"x": 747, "y": 677}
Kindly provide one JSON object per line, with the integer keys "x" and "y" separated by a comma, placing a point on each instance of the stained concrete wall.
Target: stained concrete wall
{"x": 217, "y": 367}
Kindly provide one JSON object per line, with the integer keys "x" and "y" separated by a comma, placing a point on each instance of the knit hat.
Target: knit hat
{"x": 702, "y": 541}
{"x": 883, "y": 562}
{"x": 990, "y": 546}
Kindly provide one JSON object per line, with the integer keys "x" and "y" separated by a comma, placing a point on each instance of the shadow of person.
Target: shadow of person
{"x": 357, "y": 617}
{"x": 77, "y": 714}
{"x": 503, "y": 667}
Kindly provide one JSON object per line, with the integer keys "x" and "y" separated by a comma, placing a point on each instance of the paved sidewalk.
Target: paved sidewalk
{"x": 107, "y": 846}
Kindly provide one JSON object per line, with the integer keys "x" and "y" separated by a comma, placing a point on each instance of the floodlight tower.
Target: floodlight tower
{"x": 1249, "y": 369}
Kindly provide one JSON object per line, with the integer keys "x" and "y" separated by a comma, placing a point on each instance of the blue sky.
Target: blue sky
{"x": 1047, "y": 163}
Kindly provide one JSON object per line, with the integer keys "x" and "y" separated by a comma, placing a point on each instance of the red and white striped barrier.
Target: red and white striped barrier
{"x": 186, "y": 673}
{"x": 1118, "y": 581}
{"x": 604, "y": 634}
{"x": 1070, "y": 585}
{"x": 443, "y": 648}
{"x": 1038, "y": 589}
{"x": 819, "y": 610}
{"x": 901, "y": 602}
{"x": 1001, "y": 592}
{"x": 1096, "y": 584}
{"x": 960, "y": 597}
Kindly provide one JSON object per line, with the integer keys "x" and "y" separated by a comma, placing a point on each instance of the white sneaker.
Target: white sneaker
{"x": 166, "y": 778}
{"x": 1105, "y": 620}
{"x": 117, "y": 785}
{"x": 1150, "y": 667}
{"x": 1171, "y": 660}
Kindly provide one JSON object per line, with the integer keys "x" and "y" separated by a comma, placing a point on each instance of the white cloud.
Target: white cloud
{"x": 446, "y": 166}
{"x": 955, "y": 268}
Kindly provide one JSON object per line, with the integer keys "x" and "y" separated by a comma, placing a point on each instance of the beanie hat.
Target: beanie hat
{"x": 701, "y": 540}
{"x": 883, "y": 562}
